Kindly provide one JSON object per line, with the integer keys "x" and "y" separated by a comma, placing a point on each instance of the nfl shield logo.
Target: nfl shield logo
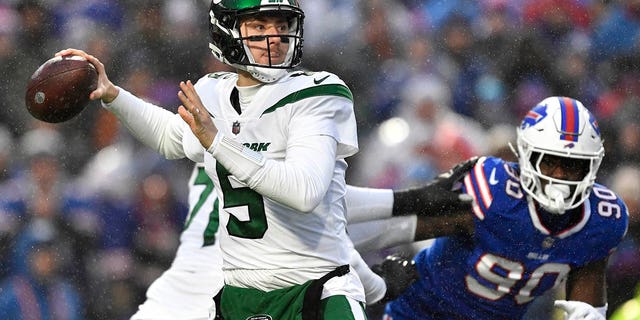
{"x": 235, "y": 129}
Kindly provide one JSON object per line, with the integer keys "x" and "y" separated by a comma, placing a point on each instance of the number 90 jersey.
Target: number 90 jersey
{"x": 512, "y": 258}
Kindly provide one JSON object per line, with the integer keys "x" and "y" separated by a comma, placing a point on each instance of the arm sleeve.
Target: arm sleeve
{"x": 364, "y": 204}
{"x": 299, "y": 182}
{"x": 384, "y": 233}
{"x": 156, "y": 127}
{"x": 374, "y": 286}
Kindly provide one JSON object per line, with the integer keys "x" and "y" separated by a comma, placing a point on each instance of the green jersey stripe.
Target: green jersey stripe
{"x": 323, "y": 90}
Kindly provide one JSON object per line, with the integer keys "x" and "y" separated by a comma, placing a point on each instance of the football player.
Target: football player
{"x": 273, "y": 141}
{"x": 535, "y": 225}
{"x": 185, "y": 290}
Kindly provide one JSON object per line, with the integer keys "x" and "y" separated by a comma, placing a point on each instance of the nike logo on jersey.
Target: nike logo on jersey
{"x": 318, "y": 81}
{"x": 492, "y": 177}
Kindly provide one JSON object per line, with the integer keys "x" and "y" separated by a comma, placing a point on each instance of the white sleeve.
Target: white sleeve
{"x": 299, "y": 182}
{"x": 374, "y": 286}
{"x": 381, "y": 234}
{"x": 156, "y": 127}
{"x": 364, "y": 204}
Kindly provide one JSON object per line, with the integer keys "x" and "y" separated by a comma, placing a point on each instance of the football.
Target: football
{"x": 59, "y": 89}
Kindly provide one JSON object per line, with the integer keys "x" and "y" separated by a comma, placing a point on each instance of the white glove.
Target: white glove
{"x": 578, "y": 310}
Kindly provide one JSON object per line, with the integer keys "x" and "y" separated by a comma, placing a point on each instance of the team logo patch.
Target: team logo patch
{"x": 534, "y": 116}
{"x": 594, "y": 123}
{"x": 235, "y": 128}
{"x": 260, "y": 317}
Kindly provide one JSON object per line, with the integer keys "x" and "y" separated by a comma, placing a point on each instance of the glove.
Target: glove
{"x": 398, "y": 273}
{"x": 578, "y": 310}
{"x": 438, "y": 197}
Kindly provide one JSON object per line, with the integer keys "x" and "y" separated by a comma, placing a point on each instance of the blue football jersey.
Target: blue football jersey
{"x": 512, "y": 258}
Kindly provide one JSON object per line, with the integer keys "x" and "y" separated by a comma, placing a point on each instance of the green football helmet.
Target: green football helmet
{"x": 228, "y": 43}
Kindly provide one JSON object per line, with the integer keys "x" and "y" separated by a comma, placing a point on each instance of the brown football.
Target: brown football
{"x": 59, "y": 89}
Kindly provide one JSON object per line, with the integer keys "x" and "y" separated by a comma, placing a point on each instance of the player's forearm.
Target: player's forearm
{"x": 382, "y": 234}
{"x": 365, "y": 204}
{"x": 588, "y": 284}
{"x": 157, "y": 128}
{"x": 433, "y": 227}
{"x": 300, "y": 181}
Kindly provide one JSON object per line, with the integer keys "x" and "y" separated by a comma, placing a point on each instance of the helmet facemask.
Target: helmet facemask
{"x": 544, "y": 137}
{"x": 230, "y": 46}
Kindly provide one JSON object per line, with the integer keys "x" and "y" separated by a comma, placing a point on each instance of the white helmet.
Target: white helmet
{"x": 227, "y": 43}
{"x": 560, "y": 127}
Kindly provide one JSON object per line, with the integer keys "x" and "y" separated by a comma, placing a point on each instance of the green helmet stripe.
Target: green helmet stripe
{"x": 240, "y": 4}
{"x": 323, "y": 90}
{"x": 243, "y": 4}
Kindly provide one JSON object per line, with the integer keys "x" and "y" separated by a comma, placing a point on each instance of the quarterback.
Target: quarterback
{"x": 273, "y": 141}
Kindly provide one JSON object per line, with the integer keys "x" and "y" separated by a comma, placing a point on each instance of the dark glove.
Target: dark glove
{"x": 441, "y": 196}
{"x": 398, "y": 272}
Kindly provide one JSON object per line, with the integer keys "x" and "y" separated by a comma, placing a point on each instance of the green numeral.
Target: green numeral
{"x": 210, "y": 231}
{"x": 256, "y": 226}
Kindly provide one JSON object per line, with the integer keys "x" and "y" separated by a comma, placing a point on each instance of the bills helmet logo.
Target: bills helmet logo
{"x": 594, "y": 123}
{"x": 534, "y": 116}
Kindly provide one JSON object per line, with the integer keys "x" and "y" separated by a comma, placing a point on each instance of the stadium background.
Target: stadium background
{"x": 434, "y": 82}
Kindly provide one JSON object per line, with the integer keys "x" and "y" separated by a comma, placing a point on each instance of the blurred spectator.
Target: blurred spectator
{"x": 6, "y": 153}
{"x": 424, "y": 139}
{"x": 499, "y": 139}
{"x": 433, "y": 81}
{"x": 624, "y": 264}
{"x": 40, "y": 291}
{"x": 617, "y": 33}
{"x": 41, "y": 197}
{"x": 437, "y": 13}
{"x": 160, "y": 218}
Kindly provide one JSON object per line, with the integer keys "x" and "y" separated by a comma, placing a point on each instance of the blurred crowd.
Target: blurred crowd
{"x": 89, "y": 217}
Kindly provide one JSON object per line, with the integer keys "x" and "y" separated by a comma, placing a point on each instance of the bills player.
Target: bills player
{"x": 274, "y": 142}
{"x": 535, "y": 225}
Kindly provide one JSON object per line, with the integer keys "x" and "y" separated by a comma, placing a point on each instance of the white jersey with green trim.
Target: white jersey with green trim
{"x": 257, "y": 233}
{"x": 199, "y": 247}
{"x": 185, "y": 290}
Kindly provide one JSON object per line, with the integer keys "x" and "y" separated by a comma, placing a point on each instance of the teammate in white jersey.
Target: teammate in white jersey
{"x": 274, "y": 143}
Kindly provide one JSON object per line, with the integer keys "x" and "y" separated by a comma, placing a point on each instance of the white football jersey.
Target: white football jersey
{"x": 199, "y": 247}
{"x": 186, "y": 289}
{"x": 256, "y": 232}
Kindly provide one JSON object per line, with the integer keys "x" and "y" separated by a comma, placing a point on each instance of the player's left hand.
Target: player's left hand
{"x": 398, "y": 272}
{"x": 196, "y": 115}
{"x": 439, "y": 196}
{"x": 578, "y": 310}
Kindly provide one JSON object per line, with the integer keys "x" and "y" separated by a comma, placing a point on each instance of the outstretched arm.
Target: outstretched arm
{"x": 586, "y": 292}
{"x": 378, "y": 217}
{"x": 439, "y": 197}
{"x": 156, "y": 127}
